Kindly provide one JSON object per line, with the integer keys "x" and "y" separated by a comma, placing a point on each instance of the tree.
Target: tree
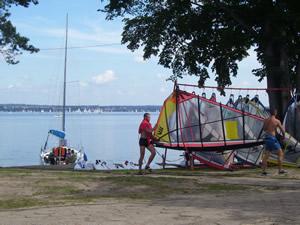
{"x": 11, "y": 42}
{"x": 193, "y": 36}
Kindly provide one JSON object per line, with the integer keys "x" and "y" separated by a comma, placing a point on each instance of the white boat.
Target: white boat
{"x": 62, "y": 154}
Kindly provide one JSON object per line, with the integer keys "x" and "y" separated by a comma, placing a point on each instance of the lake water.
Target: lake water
{"x": 106, "y": 136}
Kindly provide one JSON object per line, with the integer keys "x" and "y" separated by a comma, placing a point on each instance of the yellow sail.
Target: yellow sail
{"x": 162, "y": 129}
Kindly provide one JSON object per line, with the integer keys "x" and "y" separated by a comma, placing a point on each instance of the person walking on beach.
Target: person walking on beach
{"x": 272, "y": 145}
{"x": 146, "y": 141}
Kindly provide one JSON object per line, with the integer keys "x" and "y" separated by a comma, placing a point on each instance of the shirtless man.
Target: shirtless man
{"x": 271, "y": 143}
{"x": 146, "y": 141}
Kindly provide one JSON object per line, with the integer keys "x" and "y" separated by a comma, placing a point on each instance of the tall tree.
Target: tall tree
{"x": 11, "y": 42}
{"x": 193, "y": 36}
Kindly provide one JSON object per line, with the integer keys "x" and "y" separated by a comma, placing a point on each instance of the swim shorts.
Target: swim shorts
{"x": 271, "y": 143}
{"x": 145, "y": 142}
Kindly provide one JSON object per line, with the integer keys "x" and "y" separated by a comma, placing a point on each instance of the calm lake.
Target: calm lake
{"x": 106, "y": 136}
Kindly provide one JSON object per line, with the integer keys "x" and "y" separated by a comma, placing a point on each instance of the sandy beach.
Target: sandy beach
{"x": 34, "y": 196}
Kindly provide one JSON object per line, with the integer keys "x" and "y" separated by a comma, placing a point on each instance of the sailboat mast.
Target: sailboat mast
{"x": 65, "y": 79}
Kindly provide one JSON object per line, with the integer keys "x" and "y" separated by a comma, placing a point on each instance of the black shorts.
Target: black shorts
{"x": 144, "y": 142}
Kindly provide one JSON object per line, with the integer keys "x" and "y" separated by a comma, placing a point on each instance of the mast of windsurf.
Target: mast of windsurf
{"x": 65, "y": 79}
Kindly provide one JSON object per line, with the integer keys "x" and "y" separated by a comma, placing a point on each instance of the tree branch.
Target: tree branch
{"x": 237, "y": 18}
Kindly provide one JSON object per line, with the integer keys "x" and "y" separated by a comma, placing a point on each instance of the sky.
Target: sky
{"x": 109, "y": 74}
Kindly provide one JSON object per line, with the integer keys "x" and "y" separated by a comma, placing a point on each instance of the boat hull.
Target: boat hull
{"x": 61, "y": 155}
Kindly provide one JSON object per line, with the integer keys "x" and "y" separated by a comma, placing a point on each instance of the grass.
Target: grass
{"x": 49, "y": 187}
{"x": 15, "y": 172}
{"x": 21, "y": 203}
{"x": 57, "y": 190}
{"x": 159, "y": 187}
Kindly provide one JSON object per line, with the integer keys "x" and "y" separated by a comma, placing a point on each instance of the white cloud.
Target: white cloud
{"x": 95, "y": 35}
{"x": 17, "y": 85}
{"x": 98, "y": 36}
{"x": 108, "y": 41}
{"x": 105, "y": 77}
{"x": 83, "y": 84}
{"x": 110, "y": 50}
{"x": 54, "y": 32}
{"x": 97, "y": 39}
{"x": 88, "y": 31}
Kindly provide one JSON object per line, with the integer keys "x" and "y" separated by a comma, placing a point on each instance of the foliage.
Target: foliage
{"x": 184, "y": 37}
{"x": 192, "y": 36}
{"x": 11, "y": 42}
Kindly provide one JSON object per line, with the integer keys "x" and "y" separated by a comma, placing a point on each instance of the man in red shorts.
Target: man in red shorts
{"x": 146, "y": 141}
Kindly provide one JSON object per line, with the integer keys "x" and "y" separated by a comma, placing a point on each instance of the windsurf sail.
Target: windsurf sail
{"x": 255, "y": 107}
{"x": 193, "y": 123}
{"x": 219, "y": 160}
{"x": 292, "y": 117}
{"x": 290, "y": 144}
{"x": 212, "y": 131}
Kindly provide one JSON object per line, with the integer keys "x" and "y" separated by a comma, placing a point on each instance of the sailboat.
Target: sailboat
{"x": 61, "y": 154}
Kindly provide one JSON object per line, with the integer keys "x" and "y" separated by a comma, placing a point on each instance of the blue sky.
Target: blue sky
{"x": 106, "y": 75}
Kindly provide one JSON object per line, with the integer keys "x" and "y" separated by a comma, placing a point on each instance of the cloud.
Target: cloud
{"x": 111, "y": 50}
{"x": 17, "y": 85}
{"x": 106, "y": 77}
{"x": 99, "y": 39}
{"x": 83, "y": 31}
{"x": 94, "y": 35}
{"x": 92, "y": 40}
{"x": 83, "y": 84}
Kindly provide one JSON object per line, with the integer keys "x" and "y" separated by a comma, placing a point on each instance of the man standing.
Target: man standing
{"x": 146, "y": 141}
{"x": 271, "y": 143}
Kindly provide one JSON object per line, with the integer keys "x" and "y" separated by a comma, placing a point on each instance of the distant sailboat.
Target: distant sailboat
{"x": 61, "y": 154}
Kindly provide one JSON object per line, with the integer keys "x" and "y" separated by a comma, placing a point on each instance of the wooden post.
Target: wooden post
{"x": 187, "y": 159}
{"x": 191, "y": 161}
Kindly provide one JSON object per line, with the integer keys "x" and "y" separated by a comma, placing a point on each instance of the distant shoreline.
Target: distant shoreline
{"x": 78, "y": 108}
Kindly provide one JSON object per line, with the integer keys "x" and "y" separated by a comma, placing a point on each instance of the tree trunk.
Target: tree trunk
{"x": 297, "y": 78}
{"x": 276, "y": 62}
{"x": 278, "y": 77}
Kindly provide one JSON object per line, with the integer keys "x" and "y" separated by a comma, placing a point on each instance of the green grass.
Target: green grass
{"x": 52, "y": 187}
{"x": 225, "y": 188}
{"x": 15, "y": 172}
{"x": 57, "y": 190}
{"x": 157, "y": 187}
{"x": 21, "y": 203}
